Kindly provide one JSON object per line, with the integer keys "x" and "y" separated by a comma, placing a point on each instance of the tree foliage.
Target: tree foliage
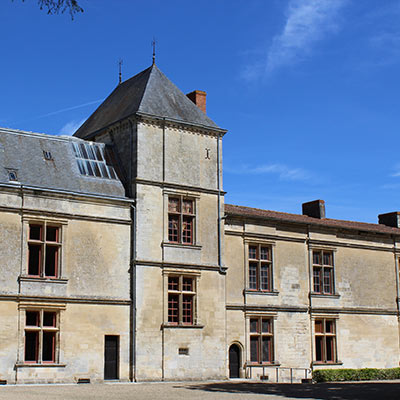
{"x": 60, "y": 6}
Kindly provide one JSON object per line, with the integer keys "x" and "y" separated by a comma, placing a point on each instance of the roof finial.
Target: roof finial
{"x": 120, "y": 70}
{"x": 153, "y": 43}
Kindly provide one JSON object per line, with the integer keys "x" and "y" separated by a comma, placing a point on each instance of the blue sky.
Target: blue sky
{"x": 308, "y": 89}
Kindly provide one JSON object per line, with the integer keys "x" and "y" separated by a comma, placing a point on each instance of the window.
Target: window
{"x": 181, "y": 217}
{"x": 94, "y": 159}
{"x": 181, "y": 300}
{"x": 41, "y": 336}
{"x": 325, "y": 340}
{"x": 323, "y": 272}
{"x": 44, "y": 250}
{"x": 260, "y": 267}
{"x": 261, "y": 340}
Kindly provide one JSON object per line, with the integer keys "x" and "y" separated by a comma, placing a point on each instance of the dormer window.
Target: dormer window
{"x": 94, "y": 159}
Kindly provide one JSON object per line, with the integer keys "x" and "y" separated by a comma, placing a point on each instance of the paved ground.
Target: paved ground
{"x": 204, "y": 391}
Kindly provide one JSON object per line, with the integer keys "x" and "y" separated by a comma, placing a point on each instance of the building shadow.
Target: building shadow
{"x": 321, "y": 391}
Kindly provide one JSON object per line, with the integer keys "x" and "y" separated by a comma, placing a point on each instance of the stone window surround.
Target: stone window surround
{"x": 182, "y": 273}
{"x": 41, "y": 307}
{"x": 26, "y": 222}
{"x": 266, "y": 243}
{"x": 184, "y": 194}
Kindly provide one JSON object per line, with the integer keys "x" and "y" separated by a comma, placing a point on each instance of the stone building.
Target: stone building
{"x": 122, "y": 261}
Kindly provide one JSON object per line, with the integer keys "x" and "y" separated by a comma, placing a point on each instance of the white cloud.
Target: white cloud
{"x": 282, "y": 171}
{"x": 307, "y": 22}
{"x": 70, "y": 127}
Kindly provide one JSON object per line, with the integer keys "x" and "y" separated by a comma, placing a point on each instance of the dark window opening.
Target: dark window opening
{"x": 181, "y": 220}
{"x": 261, "y": 340}
{"x": 260, "y": 268}
{"x": 323, "y": 281}
{"x": 31, "y": 346}
{"x": 181, "y": 295}
{"x": 49, "y": 342}
{"x": 325, "y": 341}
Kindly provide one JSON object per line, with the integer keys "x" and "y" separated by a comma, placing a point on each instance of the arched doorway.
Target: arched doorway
{"x": 234, "y": 361}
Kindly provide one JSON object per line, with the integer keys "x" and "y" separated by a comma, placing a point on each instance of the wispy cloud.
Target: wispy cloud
{"x": 70, "y": 127}
{"x": 282, "y": 171}
{"x": 396, "y": 172}
{"x": 307, "y": 22}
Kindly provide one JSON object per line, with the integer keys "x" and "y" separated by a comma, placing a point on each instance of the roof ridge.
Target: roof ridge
{"x": 147, "y": 82}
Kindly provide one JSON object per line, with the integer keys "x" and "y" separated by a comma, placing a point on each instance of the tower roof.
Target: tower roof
{"x": 149, "y": 92}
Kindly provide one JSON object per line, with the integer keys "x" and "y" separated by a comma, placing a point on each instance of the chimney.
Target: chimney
{"x": 315, "y": 209}
{"x": 390, "y": 219}
{"x": 199, "y": 98}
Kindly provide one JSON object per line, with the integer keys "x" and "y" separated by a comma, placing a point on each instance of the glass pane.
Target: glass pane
{"x": 253, "y": 276}
{"x": 253, "y": 252}
{"x": 31, "y": 346}
{"x": 32, "y": 318}
{"x": 112, "y": 172}
{"x": 96, "y": 169}
{"x": 49, "y": 342}
{"x": 76, "y": 150}
{"x": 90, "y": 152}
{"x": 173, "y": 283}
{"x": 266, "y": 326}
{"x": 103, "y": 170}
{"x": 317, "y": 279}
{"x": 173, "y": 228}
{"x": 187, "y": 230}
{"x": 187, "y": 206}
{"x": 317, "y": 259}
{"x": 328, "y": 258}
{"x": 35, "y": 232}
{"x": 81, "y": 167}
{"x": 98, "y": 153}
{"x": 187, "y": 284}
{"x": 327, "y": 280}
{"x": 254, "y": 349}
{"x": 264, "y": 279}
{"x": 329, "y": 326}
{"x": 52, "y": 234}
{"x": 89, "y": 169}
{"x": 51, "y": 263}
{"x": 319, "y": 348}
{"x": 83, "y": 151}
{"x": 49, "y": 319}
{"x": 34, "y": 259}
{"x": 254, "y": 325}
{"x": 266, "y": 349}
{"x": 173, "y": 308}
{"x": 330, "y": 353}
{"x": 318, "y": 326}
{"x": 187, "y": 309}
{"x": 265, "y": 253}
{"x": 173, "y": 205}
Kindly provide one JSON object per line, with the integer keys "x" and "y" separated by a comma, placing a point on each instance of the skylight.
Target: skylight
{"x": 93, "y": 160}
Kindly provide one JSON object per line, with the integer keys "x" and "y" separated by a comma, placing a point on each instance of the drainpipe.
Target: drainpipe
{"x": 309, "y": 255}
{"x": 132, "y": 355}
{"x": 222, "y": 270}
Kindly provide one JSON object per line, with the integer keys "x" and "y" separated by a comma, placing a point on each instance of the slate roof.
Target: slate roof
{"x": 23, "y": 151}
{"x": 248, "y": 212}
{"x": 149, "y": 92}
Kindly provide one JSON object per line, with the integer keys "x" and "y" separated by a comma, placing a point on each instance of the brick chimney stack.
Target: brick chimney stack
{"x": 390, "y": 219}
{"x": 199, "y": 98}
{"x": 315, "y": 209}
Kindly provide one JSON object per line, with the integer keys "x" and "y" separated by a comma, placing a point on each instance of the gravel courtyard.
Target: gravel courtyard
{"x": 204, "y": 390}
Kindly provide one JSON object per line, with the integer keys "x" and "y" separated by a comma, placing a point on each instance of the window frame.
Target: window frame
{"x": 44, "y": 244}
{"x": 41, "y": 330}
{"x": 323, "y": 337}
{"x": 260, "y": 335}
{"x": 181, "y": 216}
{"x": 258, "y": 262}
{"x": 319, "y": 271}
{"x": 180, "y": 294}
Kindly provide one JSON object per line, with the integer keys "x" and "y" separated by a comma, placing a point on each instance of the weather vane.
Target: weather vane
{"x": 120, "y": 70}
{"x": 153, "y": 43}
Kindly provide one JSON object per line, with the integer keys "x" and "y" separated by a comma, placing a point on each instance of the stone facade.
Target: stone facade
{"x": 155, "y": 269}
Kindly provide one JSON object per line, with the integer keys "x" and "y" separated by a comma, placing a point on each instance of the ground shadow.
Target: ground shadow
{"x": 320, "y": 391}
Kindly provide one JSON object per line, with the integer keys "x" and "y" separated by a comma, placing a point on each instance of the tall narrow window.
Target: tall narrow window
{"x": 181, "y": 217}
{"x": 181, "y": 299}
{"x": 325, "y": 340}
{"x": 261, "y": 340}
{"x": 41, "y": 336}
{"x": 260, "y": 267}
{"x": 323, "y": 272}
{"x": 44, "y": 248}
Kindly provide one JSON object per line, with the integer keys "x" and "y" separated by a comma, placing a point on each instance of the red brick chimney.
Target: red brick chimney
{"x": 199, "y": 98}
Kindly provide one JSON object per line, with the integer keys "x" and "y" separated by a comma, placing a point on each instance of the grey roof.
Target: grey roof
{"x": 149, "y": 92}
{"x": 23, "y": 152}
